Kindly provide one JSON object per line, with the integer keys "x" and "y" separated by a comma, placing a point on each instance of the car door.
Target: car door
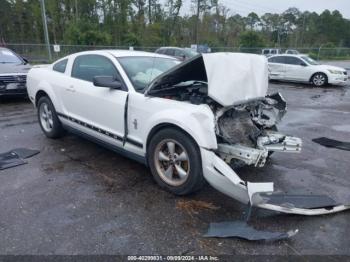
{"x": 295, "y": 69}
{"x": 95, "y": 110}
{"x": 276, "y": 67}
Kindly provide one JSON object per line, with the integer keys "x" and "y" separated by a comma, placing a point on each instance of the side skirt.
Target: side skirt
{"x": 119, "y": 150}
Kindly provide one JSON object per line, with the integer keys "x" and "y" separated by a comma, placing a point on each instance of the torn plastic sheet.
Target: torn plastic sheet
{"x": 15, "y": 157}
{"x": 332, "y": 143}
{"x": 241, "y": 229}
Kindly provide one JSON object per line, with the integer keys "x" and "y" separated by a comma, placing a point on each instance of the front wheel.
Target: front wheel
{"x": 175, "y": 161}
{"x": 319, "y": 79}
{"x": 48, "y": 120}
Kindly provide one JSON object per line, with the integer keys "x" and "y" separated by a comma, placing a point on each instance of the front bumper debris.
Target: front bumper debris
{"x": 278, "y": 142}
{"x": 271, "y": 141}
{"x": 222, "y": 177}
{"x": 308, "y": 205}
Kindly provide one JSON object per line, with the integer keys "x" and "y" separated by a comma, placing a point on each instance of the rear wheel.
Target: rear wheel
{"x": 175, "y": 161}
{"x": 319, "y": 79}
{"x": 48, "y": 120}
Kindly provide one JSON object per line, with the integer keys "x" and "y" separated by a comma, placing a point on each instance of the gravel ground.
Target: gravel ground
{"x": 78, "y": 198}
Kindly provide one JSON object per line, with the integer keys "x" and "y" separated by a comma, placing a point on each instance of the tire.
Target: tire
{"x": 161, "y": 160}
{"x": 319, "y": 79}
{"x": 48, "y": 120}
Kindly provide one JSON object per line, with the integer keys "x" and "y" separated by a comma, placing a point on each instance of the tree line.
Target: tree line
{"x": 160, "y": 23}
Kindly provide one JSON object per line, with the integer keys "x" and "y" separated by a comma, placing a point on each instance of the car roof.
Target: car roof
{"x": 123, "y": 53}
{"x": 292, "y": 55}
{"x": 172, "y": 47}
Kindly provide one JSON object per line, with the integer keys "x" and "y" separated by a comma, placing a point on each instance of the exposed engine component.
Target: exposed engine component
{"x": 245, "y": 132}
{"x": 195, "y": 92}
{"x": 236, "y": 126}
{"x": 270, "y": 111}
{"x": 244, "y": 123}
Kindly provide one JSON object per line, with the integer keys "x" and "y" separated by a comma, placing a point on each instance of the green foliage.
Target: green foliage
{"x": 159, "y": 23}
{"x": 251, "y": 39}
{"x": 85, "y": 33}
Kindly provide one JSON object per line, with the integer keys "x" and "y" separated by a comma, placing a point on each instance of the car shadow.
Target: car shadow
{"x": 14, "y": 99}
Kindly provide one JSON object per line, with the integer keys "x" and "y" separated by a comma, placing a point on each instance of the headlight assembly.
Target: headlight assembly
{"x": 337, "y": 72}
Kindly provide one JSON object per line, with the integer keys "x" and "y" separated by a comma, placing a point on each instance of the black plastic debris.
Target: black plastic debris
{"x": 25, "y": 153}
{"x": 10, "y": 159}
{"x": 298, "y": 201}
{"x": 332, "y": 143}
{"x": 241, "y": 229}
{"x": 16, "y": 157}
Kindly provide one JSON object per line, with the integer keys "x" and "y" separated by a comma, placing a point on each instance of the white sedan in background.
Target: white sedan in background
{"x": 301, "y": 68}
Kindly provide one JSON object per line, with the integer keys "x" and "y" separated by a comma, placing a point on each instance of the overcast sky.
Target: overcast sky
{"x": 244, "y": 7}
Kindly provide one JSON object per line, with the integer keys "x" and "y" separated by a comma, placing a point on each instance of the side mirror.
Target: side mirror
{"x": 25, "y": 60}
{"x": 107, "y": 81}
{"x": 303, "y": 64}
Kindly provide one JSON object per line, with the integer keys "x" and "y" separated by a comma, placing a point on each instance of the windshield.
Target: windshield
{"x": 309, "y": 60}
{"x": 8, "y": 57}
{"x": 142, "y": 70}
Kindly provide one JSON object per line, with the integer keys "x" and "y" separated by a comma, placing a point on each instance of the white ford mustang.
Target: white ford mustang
{"x": 190, "y": 123}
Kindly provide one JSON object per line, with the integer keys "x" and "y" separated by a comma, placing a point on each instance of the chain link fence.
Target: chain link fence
{"x": 38, "y": 53}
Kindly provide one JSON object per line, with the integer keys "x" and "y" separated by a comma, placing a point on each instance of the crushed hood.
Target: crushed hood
{"x": 232, "y": 78}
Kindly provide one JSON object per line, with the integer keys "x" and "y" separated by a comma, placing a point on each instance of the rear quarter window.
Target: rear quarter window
{"x": 60, "y": 66}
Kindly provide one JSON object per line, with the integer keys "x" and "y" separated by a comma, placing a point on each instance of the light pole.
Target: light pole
{"x": 46, "y": 34}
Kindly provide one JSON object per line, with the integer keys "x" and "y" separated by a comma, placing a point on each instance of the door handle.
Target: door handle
{"x": 70, "y": 89}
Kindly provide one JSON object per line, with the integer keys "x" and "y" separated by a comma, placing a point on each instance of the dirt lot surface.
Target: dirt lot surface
{"x": 76, "y": 197}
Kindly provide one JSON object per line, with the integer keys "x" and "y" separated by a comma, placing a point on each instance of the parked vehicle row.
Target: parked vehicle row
{"x": 277, "y": 51}
{"x": 290, "y": 66}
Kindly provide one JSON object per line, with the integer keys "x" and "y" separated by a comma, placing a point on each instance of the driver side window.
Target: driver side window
{"x": 86, "y": 67}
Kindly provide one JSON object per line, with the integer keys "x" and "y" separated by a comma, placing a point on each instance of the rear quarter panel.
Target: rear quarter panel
{"x": 47, "y": 80}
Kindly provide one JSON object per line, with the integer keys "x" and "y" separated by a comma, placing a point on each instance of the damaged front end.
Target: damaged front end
{"x": 247, "y": 133}
{"x": 234, "y": 86}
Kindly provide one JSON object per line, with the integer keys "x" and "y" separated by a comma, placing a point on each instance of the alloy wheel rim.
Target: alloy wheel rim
{"x": 319, "y": 80}
{"x": 46, "y": 117}
{"x": 172, "y": 162}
